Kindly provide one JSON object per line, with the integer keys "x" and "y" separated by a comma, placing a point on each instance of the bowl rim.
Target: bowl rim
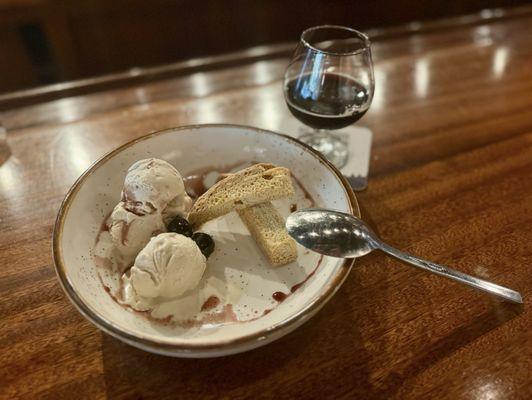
{"x": 170, "y": 348}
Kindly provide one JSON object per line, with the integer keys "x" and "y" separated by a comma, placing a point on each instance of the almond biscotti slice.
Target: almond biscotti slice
{"x": 257, "y": 184}
{"x": 267, "y": 228}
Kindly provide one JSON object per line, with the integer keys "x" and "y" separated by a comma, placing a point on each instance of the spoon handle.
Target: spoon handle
{"x": 477, "y": 283}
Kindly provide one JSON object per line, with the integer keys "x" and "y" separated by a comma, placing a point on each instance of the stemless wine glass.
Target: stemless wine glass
{"x": 329, "y": 84}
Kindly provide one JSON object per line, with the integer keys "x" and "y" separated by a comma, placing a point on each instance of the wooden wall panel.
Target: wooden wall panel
{"x": 93, "y": 37}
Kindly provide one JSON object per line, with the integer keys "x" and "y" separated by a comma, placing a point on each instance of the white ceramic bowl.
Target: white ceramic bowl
{"x": 236, "y": 261}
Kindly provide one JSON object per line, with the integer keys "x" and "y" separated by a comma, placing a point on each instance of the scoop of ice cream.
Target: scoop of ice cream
{"x": 169, "y": 265}
{"x": 131, "y": 232}
{"x": 150, "y": 185}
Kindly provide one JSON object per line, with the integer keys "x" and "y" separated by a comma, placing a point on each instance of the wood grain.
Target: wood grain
{"x": 450, "y": 181}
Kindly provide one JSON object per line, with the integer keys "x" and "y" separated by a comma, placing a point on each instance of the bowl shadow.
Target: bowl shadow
{"x": 130, "y": 372}
{"x": 329, "y": 354}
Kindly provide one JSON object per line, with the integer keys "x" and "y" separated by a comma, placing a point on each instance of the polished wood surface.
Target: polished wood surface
{"x": 449, "y": 180}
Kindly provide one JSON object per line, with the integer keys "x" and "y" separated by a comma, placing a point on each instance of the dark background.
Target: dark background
{"x": 47, "y": 41}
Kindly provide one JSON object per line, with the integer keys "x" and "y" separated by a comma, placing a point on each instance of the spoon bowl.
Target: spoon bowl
{"x": 331, "y": 233}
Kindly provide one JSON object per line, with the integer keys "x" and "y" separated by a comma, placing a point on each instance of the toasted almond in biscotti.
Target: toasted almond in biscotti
{"x": 267, "y": 228}
{"x": 254, "y": 185}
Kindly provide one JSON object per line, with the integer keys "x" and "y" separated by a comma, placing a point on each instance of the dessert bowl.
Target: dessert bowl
{"x": 264, "y": 302}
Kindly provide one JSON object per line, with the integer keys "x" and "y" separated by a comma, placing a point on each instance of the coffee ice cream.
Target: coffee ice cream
{"x": 169, "y": 266}
{"x": 153, "y": 194}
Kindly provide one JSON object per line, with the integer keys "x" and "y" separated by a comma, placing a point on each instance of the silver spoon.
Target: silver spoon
{"x": 337, "y": 234}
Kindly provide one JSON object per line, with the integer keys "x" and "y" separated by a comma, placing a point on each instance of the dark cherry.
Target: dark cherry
{"x": 204, "y": 242}
{"x": 180, "y": 225}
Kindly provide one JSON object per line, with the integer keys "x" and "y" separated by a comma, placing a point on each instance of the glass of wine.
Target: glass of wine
{"x": 329, "y": 85}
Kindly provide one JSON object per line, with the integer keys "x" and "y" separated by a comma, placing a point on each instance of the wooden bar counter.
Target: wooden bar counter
{"x": 450, "y": 180}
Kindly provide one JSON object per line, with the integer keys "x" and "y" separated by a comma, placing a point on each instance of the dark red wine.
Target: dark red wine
{"x": 328, "y": 101}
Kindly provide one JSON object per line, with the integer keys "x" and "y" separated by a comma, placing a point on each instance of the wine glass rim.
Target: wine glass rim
{"x": 361, "y": 35}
